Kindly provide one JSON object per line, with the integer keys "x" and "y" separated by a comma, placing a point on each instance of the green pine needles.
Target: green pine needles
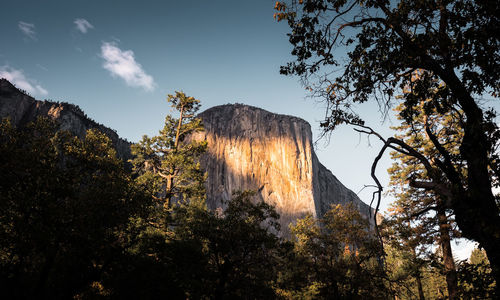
{"x": 168, "y": 164}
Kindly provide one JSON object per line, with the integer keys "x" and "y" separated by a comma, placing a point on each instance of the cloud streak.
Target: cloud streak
{"x": 83, "y": 25}
{"x": 28, "y": 29}
{"x": 122, "y": 64}
{"x": 18, "y": 78}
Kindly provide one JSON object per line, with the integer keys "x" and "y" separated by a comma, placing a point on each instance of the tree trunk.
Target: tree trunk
{"x": 178, "y": 131}
{"x": 417, "y": 274}
{"x": 477, "y": 214}
{"x": 169, "y": 191}
{"x": 170, "y": 181}
{"x": 493, "y": 254}
{"x": 476, "y": 211}
{"x": 449, "y": 262}
{"x": 420, "y": 288}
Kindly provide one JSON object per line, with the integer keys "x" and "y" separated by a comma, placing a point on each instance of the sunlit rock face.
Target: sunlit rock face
{"x": 252, "y": 149}
{"x": 23, "y": 109}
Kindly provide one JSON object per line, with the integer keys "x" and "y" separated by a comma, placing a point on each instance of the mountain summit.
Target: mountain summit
{"x": 252, "y": 149}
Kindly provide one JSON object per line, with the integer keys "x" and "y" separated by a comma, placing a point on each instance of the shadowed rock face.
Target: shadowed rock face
{"x": 23, "y": 109}
{"x": 250, "y": 148}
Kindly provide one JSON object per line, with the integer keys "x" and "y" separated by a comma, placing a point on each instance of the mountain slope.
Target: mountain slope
{"x": 23, "y": 109}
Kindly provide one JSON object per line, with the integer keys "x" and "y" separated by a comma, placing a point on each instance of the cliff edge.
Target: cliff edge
{"x": 251, "y": 148}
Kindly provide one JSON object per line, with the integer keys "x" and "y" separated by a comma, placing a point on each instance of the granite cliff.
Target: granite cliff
{"x": 250, "y": 148}
{"x": 22, "y": 109}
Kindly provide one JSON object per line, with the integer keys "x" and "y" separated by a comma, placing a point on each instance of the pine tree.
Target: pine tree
{"x": 420, "y": 217}
{"x": 339, "y": 257}
{"x": 406, "y": 251}
{"x": 169, "y": 162}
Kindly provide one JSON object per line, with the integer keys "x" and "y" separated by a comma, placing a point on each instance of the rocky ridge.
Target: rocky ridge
{"x": 22, "y": 109}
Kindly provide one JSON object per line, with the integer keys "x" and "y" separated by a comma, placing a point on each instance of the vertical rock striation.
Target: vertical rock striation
{"x": 250, "y": 148}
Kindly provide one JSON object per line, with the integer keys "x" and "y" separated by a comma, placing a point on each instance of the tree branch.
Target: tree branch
{"x": 423, "y": 211}
{"x": 446, "y": 166}
{"x": 439, "y": 188}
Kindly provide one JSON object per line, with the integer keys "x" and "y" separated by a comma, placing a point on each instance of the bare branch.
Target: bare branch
{"x": 368, "y": 130}
{"x": 405, "y": 148}
{"x": 378, "y": 193}
{"x": 435, "y": 185}
{"x": 364, "y": 187}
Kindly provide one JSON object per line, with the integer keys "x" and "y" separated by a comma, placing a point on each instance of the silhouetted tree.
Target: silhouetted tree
{"x": 203, "y": 254}
{"x": 418, "y": 215}
{"x": 239, "y": 248}
{"x": 454, "y": 45}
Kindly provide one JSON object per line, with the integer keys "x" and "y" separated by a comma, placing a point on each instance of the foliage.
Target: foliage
{"x": 238, "y": 244}
{"x": 339, "y": 257}
{"x": 168, "y": 163}
{"x": 204, "y": 254}
{"x": 413, "y": 277}
{"x": 452, "y": 45}
{"x": 475, "y": 278}
{"x": 64, "y": 205}
{"x": 385, "y": 42}
{"x": 419, "y": 218}
{"x": 406, "y": 256}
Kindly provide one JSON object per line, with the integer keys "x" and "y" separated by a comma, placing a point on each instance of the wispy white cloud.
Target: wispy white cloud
{"x": 28, "y": 29}
{"x": 18, "y": 78}
{"x": 122, "y": 64}
{"x": 42, "y": 67}
{"x": 83, "y": 25}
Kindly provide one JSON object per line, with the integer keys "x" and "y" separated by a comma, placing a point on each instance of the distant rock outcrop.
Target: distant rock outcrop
{"x": 250, "y": 148}
{"x": 23, "y": 109}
